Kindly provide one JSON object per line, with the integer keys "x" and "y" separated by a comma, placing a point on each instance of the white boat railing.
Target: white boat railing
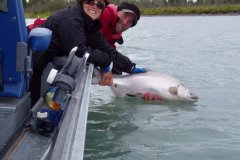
{"x": 70, "y": 142}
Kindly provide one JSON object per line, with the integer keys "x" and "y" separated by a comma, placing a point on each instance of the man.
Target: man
{"x": 117, "y": 19}
{"x": 79, "y": 26}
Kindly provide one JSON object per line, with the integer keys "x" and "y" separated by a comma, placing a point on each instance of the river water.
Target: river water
{"x": 201, "y": 51}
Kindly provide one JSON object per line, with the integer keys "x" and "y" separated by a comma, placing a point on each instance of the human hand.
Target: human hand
{"x": 106, "y": 80}
{"x": 138, "y": 70}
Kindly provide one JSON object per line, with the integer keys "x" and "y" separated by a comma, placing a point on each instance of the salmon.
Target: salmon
{"x": 152, "y": 85}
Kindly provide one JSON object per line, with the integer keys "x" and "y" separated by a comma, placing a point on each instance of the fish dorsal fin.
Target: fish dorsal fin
{"x": 173, "y": 90}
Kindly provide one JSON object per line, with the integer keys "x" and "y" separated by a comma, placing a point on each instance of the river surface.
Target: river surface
{"x": 201, "y": 51}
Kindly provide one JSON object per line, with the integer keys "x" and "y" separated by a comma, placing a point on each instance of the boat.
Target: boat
{"x": 24, "y": 134}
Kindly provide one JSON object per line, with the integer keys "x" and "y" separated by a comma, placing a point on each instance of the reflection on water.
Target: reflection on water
{"x": 107, "y": 125}
{"x": 203, "y": 53}
{"x": 111, "y": 121}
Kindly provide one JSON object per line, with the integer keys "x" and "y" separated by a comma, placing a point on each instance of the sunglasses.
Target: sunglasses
{"x": 100, "y": 5}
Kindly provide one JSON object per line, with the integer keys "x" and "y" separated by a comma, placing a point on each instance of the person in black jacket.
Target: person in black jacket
{"x": 79, "y": 26}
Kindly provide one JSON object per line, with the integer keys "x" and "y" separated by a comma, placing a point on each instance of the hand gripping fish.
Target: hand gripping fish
{"x": 151, "y": 86}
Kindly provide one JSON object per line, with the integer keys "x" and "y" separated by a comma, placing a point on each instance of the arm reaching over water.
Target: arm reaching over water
{"x": 136, "y": 70}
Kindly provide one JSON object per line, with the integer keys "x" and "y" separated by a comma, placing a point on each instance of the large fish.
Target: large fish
{"x": 152, "y": 85}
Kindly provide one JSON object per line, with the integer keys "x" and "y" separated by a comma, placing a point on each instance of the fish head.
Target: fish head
{"x": 186, "y": 95}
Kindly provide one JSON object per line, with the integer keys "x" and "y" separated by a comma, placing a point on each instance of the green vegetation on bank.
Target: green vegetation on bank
{"x": 195, "y": 10}
{"x": 39, "y": 9}
{"x": 37, "y": 15}
{"x": 42, "y": 11}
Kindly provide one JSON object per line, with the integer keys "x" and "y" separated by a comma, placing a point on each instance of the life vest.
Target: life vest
{"x": 109, "y": 20}
{"x": 37, "y": 23}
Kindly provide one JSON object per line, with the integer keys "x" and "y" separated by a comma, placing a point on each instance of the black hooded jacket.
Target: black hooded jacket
{"x": 71, "y": 27}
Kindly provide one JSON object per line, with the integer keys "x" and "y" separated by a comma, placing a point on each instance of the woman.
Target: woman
{"x": 79, "y": 26}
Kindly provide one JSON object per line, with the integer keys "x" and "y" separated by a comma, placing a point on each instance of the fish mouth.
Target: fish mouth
{"x": 194, "y": 98}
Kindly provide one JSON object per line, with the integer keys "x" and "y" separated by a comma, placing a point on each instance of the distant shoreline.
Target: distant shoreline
{"x": 169, "y": 15}
{"x": 225, "y": 14}
{"x": 230, "y": 10}
{"x": 193, "y": 10}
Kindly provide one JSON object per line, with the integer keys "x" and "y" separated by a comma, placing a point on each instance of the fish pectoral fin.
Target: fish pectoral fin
{"x": 131, "y": 95}
{"x": 139, "y": 95}
{"x": 134, "y": 94}
{"x": 173, "y": 90}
